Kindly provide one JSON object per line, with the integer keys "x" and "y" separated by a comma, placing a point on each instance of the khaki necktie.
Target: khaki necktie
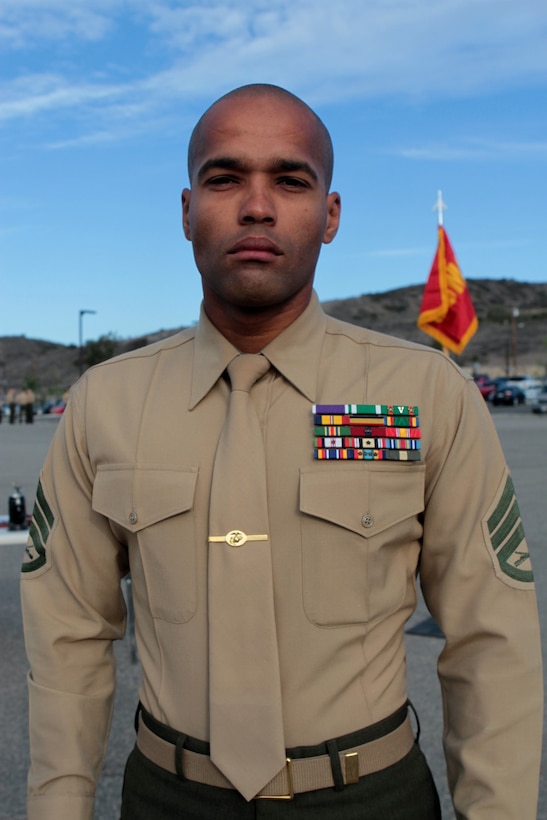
{"x": 245, "y": 692}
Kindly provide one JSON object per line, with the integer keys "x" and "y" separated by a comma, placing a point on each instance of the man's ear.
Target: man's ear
{"x": 186, "y": 195}
{"x": 334, "y": 206}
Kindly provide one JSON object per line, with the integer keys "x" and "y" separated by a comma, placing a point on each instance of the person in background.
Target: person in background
{"x": 12, "y": 402}
{"x": 22, "y": 400}
{"x": 29, "y": 406}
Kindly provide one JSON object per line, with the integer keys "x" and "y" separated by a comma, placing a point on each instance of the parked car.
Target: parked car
{"x": 53, "y": 406}
{"x": 487, "y": 389}
{"x": 530, "y": 386}
{"x": 488, "y": 386}
{"x": 540, "y": 403}
{"x": 508, "y": 394}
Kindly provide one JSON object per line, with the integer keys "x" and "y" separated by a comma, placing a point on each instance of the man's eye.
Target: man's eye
{"x": 293, "y": 182}
{"x": 220, "y": 181}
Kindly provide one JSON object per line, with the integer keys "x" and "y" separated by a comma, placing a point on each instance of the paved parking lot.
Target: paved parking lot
{"x": 22, "y": 449}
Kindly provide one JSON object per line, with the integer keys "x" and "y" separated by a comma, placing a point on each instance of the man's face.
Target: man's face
{"x": 258, "y": 210}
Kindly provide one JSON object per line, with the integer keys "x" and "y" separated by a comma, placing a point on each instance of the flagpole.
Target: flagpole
{"x": 440, "y": 207}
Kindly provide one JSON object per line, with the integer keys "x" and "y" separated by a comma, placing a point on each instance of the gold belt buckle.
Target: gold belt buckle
{"x": 290, "y": 791}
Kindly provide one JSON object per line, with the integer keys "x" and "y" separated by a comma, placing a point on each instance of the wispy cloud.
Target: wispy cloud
{"x": 413, "y": 251}
{"x": 475, "y": 149}
{"x": 27, "y": 24}
{"x": 37, "y": 93}
{"x": 396, "y": 253}
{"x": 326, "y": 52}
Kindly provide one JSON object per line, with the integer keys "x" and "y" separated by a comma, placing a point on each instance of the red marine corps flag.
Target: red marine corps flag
{"x": 447, "y": 312}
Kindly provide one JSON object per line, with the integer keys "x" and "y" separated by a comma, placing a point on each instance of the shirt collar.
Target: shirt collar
{"x": 294, "y": 353}
{"x": 212, "y": 355}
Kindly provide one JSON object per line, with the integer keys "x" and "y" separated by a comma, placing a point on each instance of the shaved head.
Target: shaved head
{"x": 274, "y": 92}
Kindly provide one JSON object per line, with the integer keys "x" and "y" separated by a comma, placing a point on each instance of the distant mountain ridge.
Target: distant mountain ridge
{"x": 499, "y": 340}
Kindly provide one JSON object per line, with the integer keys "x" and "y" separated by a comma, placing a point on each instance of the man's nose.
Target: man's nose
{"x": 257, "y": 204}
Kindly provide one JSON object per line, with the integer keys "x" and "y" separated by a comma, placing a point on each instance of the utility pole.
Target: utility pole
{"x": 81, "y": 349}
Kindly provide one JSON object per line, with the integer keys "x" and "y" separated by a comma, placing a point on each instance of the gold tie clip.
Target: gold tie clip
{"x": 236, "y": 538}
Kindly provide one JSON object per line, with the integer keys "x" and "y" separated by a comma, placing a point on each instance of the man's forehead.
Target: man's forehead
{"x": 264, "y": 116}
{"x": 261, "y": 132}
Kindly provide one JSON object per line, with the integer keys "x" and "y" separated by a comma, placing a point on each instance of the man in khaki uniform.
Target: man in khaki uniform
{"x": 22, "y": 402}
{"x": 381, "y": 458}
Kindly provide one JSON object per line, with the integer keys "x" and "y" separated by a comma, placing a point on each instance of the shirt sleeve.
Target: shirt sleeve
{"x": 477, "y": 581}
{"x": 73, "y": 609}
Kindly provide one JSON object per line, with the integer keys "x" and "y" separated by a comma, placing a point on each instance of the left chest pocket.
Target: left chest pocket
{"x": 154, "y": 506}
{"x": 360, "y": 539}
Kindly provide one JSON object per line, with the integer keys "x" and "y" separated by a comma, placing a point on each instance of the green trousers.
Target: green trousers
{"x": 404, "y": 791}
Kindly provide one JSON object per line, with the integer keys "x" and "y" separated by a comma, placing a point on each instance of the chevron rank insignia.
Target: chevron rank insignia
{"x": 41, "y": 525}
{"x": 366, "y": 432}
{"x": 506, "y": 541}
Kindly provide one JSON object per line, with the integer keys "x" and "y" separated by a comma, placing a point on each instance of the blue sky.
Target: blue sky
{"x": 98, "y": 97}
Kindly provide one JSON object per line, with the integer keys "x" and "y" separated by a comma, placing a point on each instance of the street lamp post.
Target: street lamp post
{"x": 514, "y": 316}
{"x": 81, "y": 349}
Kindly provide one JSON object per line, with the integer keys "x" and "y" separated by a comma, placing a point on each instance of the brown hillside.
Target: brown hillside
{"x": 498, "y": 340}
{"x": 50, "y": 368}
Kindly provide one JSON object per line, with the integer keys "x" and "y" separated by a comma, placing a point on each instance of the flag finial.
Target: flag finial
{"x": 440, "y": 206}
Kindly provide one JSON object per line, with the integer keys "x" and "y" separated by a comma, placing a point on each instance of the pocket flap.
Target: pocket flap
{"x": 366, "y": 501}
{"x": 137, "y": 497}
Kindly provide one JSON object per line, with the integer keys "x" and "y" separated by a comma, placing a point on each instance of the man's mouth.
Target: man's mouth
{"x": 258, "y": 248}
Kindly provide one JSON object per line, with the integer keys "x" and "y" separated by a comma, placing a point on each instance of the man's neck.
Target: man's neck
{"x": 250, "y": 330}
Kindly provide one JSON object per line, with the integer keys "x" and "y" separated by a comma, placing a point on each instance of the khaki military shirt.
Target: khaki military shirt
{"x": 125, "y": 487}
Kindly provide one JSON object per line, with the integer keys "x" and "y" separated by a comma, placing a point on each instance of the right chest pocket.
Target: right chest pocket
{"x": 154, "y": 506}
